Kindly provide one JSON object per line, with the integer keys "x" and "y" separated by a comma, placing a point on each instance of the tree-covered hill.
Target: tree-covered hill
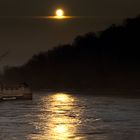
{"x": 109, "y": 59}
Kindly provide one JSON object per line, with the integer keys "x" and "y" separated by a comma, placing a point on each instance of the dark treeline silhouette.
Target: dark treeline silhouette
{"x": 109, "y": 59}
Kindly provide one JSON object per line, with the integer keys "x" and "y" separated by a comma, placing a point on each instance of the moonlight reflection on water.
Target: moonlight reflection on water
{"x": 62, "y": 118}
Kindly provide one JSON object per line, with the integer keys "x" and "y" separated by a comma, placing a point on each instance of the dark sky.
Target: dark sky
{"x": 24, "y": 37}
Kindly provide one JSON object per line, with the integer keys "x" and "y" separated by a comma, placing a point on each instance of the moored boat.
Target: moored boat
{"x": 17, "y": 92}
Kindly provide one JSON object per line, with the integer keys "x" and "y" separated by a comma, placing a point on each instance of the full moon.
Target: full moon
{"x": 59, "y": 13}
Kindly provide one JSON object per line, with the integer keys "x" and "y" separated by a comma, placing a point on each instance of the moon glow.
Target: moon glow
{"x": 59, "y": 13}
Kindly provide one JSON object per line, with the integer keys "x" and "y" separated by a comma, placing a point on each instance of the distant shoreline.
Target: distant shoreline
{"x": 97, "y": 92}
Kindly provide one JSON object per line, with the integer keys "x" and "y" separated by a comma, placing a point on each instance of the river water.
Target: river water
{"x": 63, "y": 116}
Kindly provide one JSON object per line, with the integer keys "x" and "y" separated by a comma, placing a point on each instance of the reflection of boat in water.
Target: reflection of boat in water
{"x": 9, "y": 98}
{"x": 19, "y": 92}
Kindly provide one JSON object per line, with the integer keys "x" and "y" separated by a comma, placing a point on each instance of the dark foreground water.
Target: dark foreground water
{"x": 61, "y": 116}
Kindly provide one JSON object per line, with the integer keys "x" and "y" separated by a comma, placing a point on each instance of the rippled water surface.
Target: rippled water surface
{"x": 62, "y": 116}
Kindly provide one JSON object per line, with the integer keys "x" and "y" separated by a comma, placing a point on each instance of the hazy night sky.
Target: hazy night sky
{"x": 24, "y": 37}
